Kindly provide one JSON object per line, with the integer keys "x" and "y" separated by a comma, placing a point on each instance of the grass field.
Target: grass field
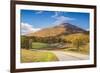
{"x": 83, "y": 49}
{"x": 38, "y": 45}
{"x": 36, "y": 56}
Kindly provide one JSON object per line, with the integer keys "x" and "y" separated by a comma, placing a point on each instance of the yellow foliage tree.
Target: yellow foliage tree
{"x": 77, "y": 39}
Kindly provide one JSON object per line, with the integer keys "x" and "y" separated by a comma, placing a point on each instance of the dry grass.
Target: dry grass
{"x": 36, "y": 56}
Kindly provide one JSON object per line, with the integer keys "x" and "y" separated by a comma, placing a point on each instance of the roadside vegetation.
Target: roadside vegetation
{"x": 36, "y": 56}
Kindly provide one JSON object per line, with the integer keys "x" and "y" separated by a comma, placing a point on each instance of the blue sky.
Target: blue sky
{"x": 33, "y": 20}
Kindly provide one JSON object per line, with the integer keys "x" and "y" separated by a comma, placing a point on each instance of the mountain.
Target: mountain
{"x": 61, "y": 29}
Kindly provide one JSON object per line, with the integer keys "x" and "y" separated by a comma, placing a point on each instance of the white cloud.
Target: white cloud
{"x": 59, "y": 18}
{"x": 39, "y": 12}
{"x": 62, "y": 19}
{"x": 27, "y": 28}
{"x": 55, "y": 15}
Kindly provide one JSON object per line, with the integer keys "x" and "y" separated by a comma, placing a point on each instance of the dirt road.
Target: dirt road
{"x": 65, "y": 56}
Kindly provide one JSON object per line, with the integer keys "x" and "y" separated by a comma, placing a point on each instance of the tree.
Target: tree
{"x": 77, "y": 42}
{"x": 24, "y": 42}
{"x": 30, "y": 43}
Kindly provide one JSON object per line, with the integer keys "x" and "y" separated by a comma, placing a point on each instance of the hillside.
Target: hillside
{"x": 61, "y": 29}
{"x": 64, "y": 36}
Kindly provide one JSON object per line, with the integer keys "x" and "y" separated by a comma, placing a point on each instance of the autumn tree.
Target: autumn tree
{"x": 77, "y": 42}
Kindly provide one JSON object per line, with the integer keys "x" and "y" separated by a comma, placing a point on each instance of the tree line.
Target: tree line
{"x": 76, "y": 41}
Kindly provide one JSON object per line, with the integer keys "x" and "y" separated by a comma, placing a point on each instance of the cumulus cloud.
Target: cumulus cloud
{"x": 27, "y": 28}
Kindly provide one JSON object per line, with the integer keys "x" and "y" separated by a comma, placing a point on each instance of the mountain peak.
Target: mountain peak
{"x": 72, "y": 27}
{"x": 65, "y": 24}
{"x": 61, "y": 29}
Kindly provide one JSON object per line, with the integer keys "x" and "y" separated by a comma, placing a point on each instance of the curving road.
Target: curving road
{"x": 65, "y": 56}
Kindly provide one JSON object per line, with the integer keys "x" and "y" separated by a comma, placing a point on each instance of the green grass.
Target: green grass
{"x": 38, "y": 45}
{"x": 36, "y": 56}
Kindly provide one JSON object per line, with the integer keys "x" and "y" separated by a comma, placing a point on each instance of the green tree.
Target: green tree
{"x": 24, "y": 42}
